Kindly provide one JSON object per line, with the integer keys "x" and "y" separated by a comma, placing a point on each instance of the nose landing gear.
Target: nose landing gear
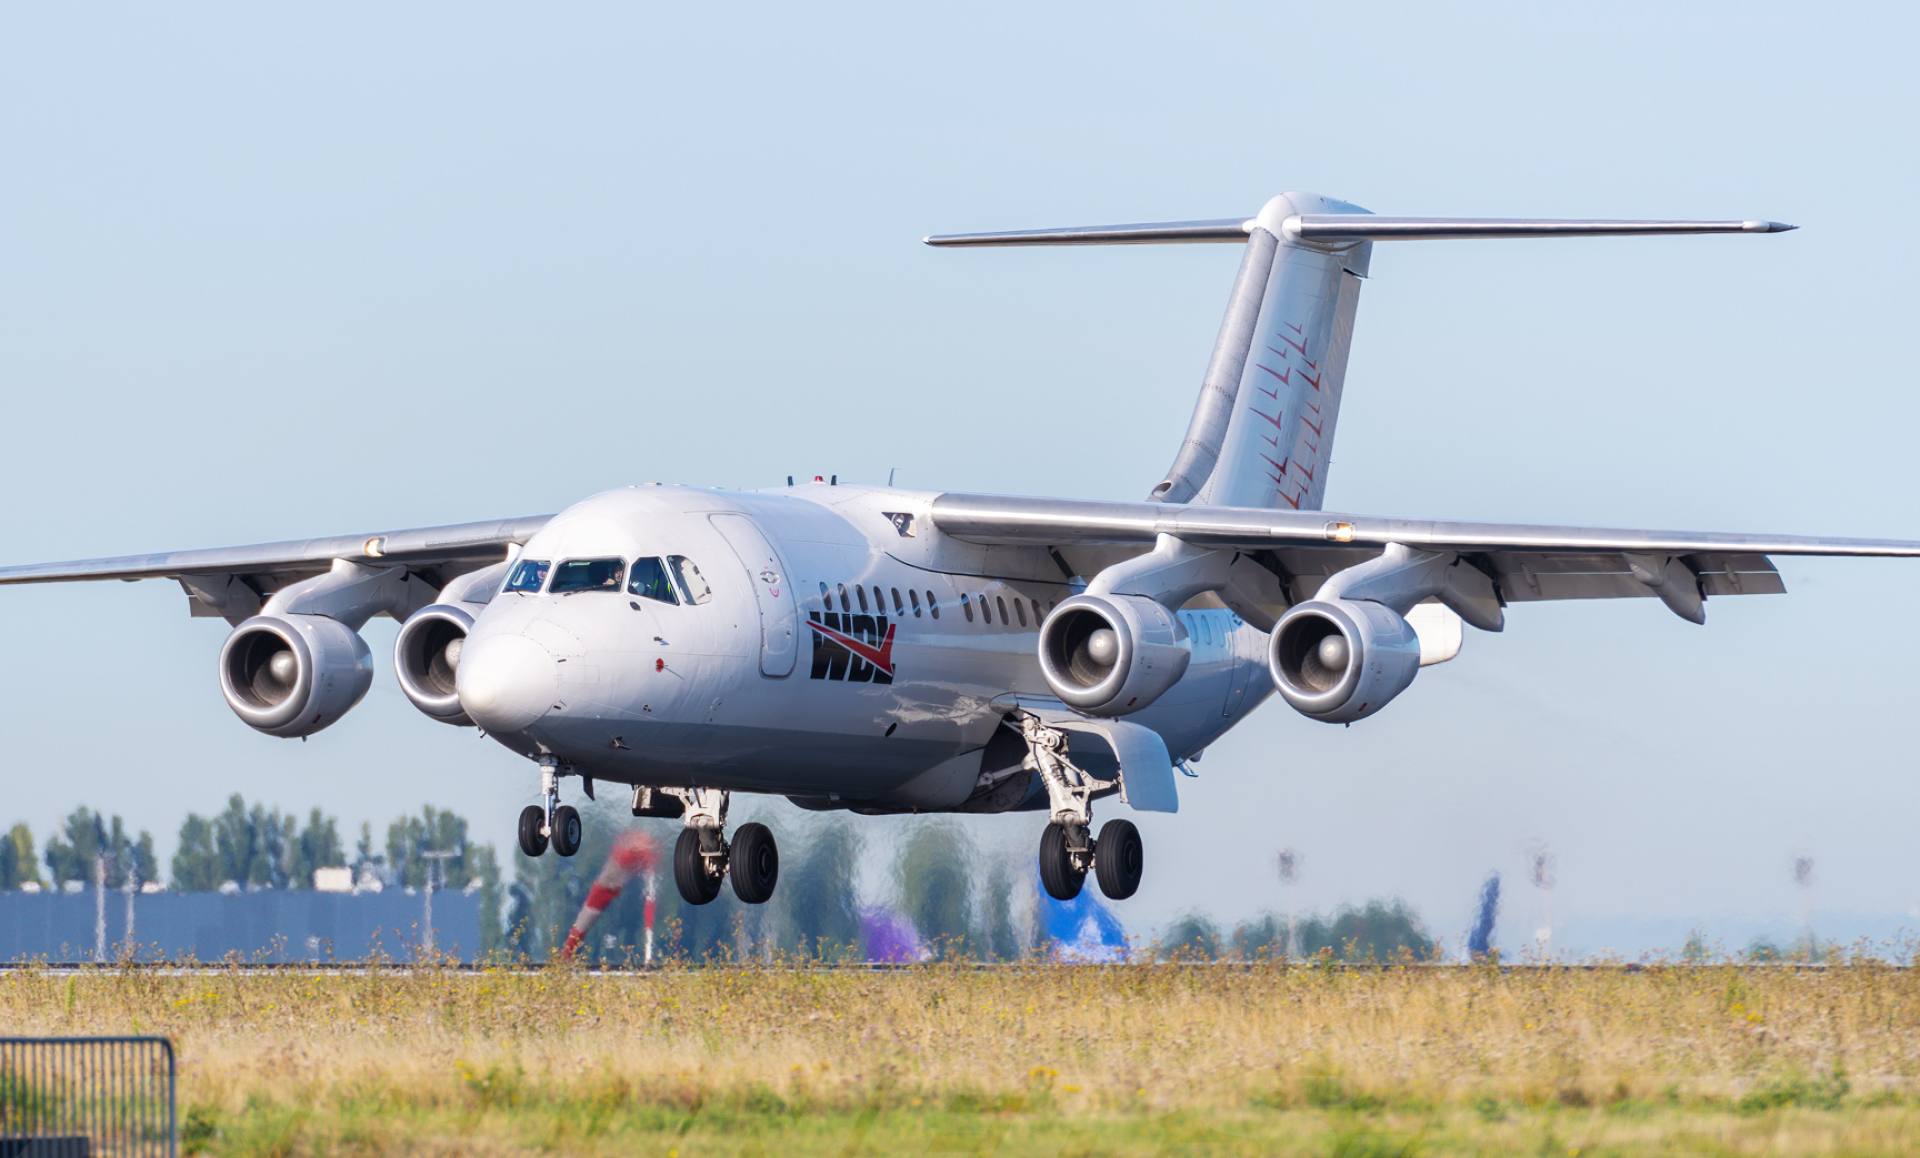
{"x": 1068, "y": 850}
{"x": 550, "y": 820}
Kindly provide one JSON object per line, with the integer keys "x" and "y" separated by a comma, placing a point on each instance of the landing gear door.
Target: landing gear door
{"x": 1239, "y": 645}
{"x": 779, "y": 624}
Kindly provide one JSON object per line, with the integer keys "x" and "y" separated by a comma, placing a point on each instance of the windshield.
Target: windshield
{"x": 693, "y": 585}
{"x": 587, "y": 575}
{"x": 649, "y": 581}
{"x": 528, "y": 575}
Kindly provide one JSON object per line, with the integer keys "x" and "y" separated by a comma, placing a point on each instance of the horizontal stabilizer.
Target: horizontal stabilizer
{"x": 1337, "y": 227}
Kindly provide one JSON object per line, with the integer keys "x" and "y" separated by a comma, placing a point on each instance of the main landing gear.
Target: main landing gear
{"x": 703, "y": 855}
{"x": 1068, "y": 849}
{"x": 549, "y": 821}
{"x": 702, "y": 858}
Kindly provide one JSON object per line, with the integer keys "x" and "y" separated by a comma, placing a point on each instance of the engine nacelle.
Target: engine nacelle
{"x": 292, "y": 675}
{"x": 426, "y": 658}
{"x": 1342, "y": 660}
{"x": 1109, "y": 655}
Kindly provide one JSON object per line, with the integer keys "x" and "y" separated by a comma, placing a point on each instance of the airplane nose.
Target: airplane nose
{"x": 506, "y": 682}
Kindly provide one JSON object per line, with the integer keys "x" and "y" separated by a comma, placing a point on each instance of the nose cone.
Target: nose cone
{"x": 506, "y": 682}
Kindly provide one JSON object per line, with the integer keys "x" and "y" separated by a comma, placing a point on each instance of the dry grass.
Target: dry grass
{"x": 1144, "y": 1059}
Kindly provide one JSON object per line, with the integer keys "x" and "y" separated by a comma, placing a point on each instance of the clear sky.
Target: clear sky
{"x": 271, "y": 272}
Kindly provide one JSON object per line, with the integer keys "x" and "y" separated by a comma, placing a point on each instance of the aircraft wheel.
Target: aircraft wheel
{"x": 533, "y": 842}
{"x": 1057, "y": 873}
{"x": 754, "y": 864}
{"x": 690, "y": 870}
{"x": 566, "y": 830}
{"x": 1117, "y": 859}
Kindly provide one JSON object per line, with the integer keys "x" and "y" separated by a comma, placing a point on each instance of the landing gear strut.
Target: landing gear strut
{"x": 549, "y": 820}
{"x": 1068, "y": 850}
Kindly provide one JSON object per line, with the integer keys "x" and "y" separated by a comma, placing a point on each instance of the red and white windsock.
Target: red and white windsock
{"x": 632, "y": 853}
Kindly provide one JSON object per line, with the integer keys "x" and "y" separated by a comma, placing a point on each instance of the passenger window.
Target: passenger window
{"x": 862, "y": 593}
{"x": 693, "y": 585}
{"x": 846, "y": 604}
{"x": 528, "y": 575}
{"x": 1206, "y": 630}
{"x": 1037, "y": 615}
{"x": 1002, "y": 605}
{"x": 587, "y": 575}
{"x": 826, "y": 597}
{"x": 1019, "y": 609}
{"x": 649, "y": 580}
{"x": 879, "y": 601}
{"x": 966, "y": 608}
{"x": 899, "y": 608}
{"x": 914, "y": 596}
{"x": 933, "y": 605}
{"x": 986, "y": 609}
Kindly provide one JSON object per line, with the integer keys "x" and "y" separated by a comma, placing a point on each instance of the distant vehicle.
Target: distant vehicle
{"x": 885, "y": 650}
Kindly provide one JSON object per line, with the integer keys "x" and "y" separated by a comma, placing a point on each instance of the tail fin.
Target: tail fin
{"x": 1262, "y": 431}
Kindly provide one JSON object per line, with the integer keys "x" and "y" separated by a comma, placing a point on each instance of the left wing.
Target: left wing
{"x": 1304, "y": 547}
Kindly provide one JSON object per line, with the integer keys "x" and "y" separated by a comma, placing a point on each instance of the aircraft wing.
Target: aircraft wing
{"x": 438, "y": 553}
{"x": 1528, "y": 562}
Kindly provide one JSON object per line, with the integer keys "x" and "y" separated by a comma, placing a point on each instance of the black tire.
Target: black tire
{"x": 754, "y": 864}
{"x": 566, "y": 830}
{"x": 1057, "y": 874}
{"x": 1118, "y": 858}
{"x": 690, "y": 870}
{"x": 533, "y": 842}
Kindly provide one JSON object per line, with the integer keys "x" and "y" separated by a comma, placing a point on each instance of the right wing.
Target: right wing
{"x": 435, "y": 554}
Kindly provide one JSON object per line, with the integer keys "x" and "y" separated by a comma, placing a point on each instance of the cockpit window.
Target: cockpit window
{"x": 528, "y": 575}
{"x": 587, "y": 575}
{"x": 650, "y": 581}
{"x": 693, "y": 585}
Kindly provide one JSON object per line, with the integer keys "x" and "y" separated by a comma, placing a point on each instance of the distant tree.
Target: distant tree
{"x": 486, "y": 869}
{"x": 1381, "y": 931}
{"x": 87, "y": 835}
{"x": 18, "y": 864}
{"x": 253, "y": 845}
{"x": 817, "y": 908}
{"x": 316, "y": 846}
{"x": 1000, "y": 939}
{"x": 1192, "y": 938}
{"x": 1263, "y": 939}
{"x": 196, "y": 864}
{"x": 364, "y": 858}
{"x": 934, "y": 875}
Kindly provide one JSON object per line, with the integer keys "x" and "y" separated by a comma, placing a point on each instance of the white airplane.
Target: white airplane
{"x": 885, "y": 650}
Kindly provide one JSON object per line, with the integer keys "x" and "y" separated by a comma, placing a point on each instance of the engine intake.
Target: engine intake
{"x": 292, "y": 675}
{"x": 1342, "y": 660}
{"x": 1109, "y": 655}
{"x": 426, "y": 658}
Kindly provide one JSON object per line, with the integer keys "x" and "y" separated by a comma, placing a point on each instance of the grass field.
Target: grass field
{"x": 1134, "y": 1059}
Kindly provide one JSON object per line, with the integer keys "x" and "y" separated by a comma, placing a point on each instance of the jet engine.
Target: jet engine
{"x": 1341, "y": 660}
{"x": 292, "y": 675}
{"x": 426, "y": 657}
{"x": 1109, "y": 655}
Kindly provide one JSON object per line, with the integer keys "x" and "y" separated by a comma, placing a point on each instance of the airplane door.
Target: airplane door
{"x": 779, "y": 624}
{"x": 1240, "y": 671}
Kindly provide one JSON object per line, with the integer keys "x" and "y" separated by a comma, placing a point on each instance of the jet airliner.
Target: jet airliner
{"x": 883, "y": 650}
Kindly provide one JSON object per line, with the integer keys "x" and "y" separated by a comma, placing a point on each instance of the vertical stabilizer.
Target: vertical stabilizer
{"x": 1262, "y": 432}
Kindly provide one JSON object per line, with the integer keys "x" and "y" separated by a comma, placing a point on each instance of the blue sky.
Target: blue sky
{"x": 268, "y": 273}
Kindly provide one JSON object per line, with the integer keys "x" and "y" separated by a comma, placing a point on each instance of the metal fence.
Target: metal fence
{"x": 75, "y": 1097}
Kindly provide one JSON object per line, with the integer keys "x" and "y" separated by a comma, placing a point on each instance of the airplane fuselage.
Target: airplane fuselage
{"x": 848, "y": 654}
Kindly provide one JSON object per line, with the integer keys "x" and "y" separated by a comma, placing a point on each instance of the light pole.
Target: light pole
{"x": 434, "y": 869}
{"x": 1290, "y": 860}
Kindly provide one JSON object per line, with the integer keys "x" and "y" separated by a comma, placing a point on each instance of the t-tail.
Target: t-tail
{"x": 1262, "y": 431}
